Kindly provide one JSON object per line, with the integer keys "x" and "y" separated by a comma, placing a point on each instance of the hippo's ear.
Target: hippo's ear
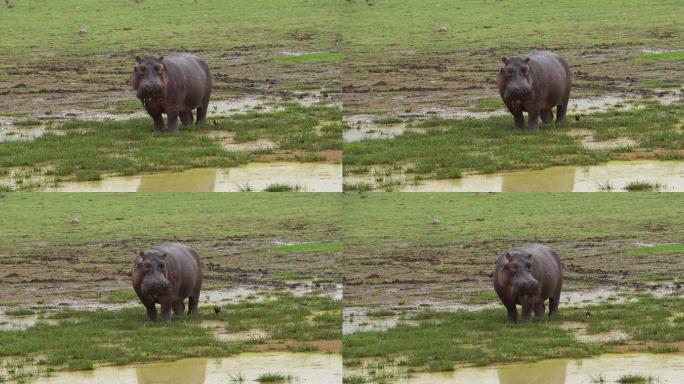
{"x": 508, "y": 257}
{"x": 138, "y": 59}
{"x": 141, "y": 254}
{"x": 504, "y": 60}
{"x": 527, "y": 60}
{"x": 161, "y": 57}
{"x": 529, "y": 255}
{"x": 163, "y": 256}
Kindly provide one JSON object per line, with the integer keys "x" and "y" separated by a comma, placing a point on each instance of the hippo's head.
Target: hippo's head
{"x": 149, "y": 77}
{"x": 514, "y": 80}
{"x": 151, "y": 265}
{"x": 517, "y": 273}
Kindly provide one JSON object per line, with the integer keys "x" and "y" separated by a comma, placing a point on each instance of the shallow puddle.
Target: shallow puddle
{"x": 243, "y": 368}
{"x": 20, "y": 323}
{"x": 612, "y": 176}
{"x": 664, "y": 369}
{"x": 306, "y": 177}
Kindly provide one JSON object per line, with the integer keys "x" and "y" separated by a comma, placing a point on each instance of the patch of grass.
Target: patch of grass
{"x": 487, "y": 105}
{"x": 642, "y": 186}
{"x": 635, "y": 379}
{"x": 361, "y": 187}
{"x": 273, "y": 378}
{"x": 282, "y": 188}
{"x": 448, "y": 147}
{"x": 122, "y": 296}
{"x": 128, "y": 106}
{"x": 483, "y": 338}
{"x": 85, "y": 338}
{"x": 19, "y": 312}
{"x": 27, "y": 122}
{"x": 89, "y": 148}
{"x": 663, "y": 56}
{"x": 658, "y": 249}
{"x": 89, "y": 175}
{"x": 381, "y": 313}
{"x": 353, "y": 379}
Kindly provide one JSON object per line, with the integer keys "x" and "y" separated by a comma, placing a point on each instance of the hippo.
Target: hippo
{"x": 167, "y": 274}
{"x": 175, "y": 85}
{"x": 535, "y": 84}
{"x": 527, "y": 276}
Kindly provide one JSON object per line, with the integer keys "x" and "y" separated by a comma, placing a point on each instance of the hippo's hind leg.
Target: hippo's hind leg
{"x": 202, "y": 112}
{"x": 186, "y": 118}
{"x": 547, "y": 116}
{"x": 178, "y": 308}
{"x": 553, "y": 304}
{"x": 193, "y": 301}
{"x": 539, "y": 309}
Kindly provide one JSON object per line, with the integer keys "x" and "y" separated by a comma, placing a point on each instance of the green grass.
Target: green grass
{"x": 674, "y": 55}
{"x": 89, "y": 149}
{"x": 121, "y": 296}
{"x": 282, "y": 188}
{"x": 483, "y": 338}
{"x": 27, "y": 122}
{"x": 635, "y": 379}
{"x": 642, "y": 186}
{"x": 658, "y": 249}
{"x": 449, "y": 147}
{"x": 274, "y": 378}
{"x": 85, "y": 338}
{"x": 20, "y": 312}
{"x": 130, "y": 26}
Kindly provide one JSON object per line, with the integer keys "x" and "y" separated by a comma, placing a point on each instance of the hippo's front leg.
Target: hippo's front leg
{"x": 512, "y": 312}
{"x": 172, "y": 116}
{"x": 527, "y": 307}
{"x": 157, "y": 118}
{"x": 151, "y": 311}
{"x": 533, "y": 116}
{"x": 166, "y": 306}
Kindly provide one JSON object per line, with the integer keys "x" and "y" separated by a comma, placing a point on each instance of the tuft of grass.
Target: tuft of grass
{"x": 282, "y": 188}
{"x": 27, "y": 122}
{"x": 658, "y": 249}
{"x": 89, "y": 175}
{"x": 663, "y": 56}
{"x": 642, "y": 186}
{"x": 122, "y": 296}
{"x": 19, "y": 312}
{"x": 307, "y": 247}
{"x": 274, "y": 378}
{"x": 635, "y": 379}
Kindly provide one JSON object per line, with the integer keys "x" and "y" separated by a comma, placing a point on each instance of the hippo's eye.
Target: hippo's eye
{"x": 161, "y": 265}
{"x": 529, "y": 266}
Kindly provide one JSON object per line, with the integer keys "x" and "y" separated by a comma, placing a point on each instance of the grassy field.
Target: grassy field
{"x": 444, "y": 340}
{"x": 82, "y": 340}
{"x": 244, "y": 42}
{"x": 395, "y": 48}
{"x": 85, "y": 150}
{"x": 241, "y": 240}
{"x": 395, "y": 255}
{"x": 450, "y": 148}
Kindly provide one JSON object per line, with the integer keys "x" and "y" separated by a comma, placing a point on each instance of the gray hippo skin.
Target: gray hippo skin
{"x": 167, "y": 274}
{"x": 535, "y": 84}
{"x": 175, "y": 85}
{"x": 527, "y": 276}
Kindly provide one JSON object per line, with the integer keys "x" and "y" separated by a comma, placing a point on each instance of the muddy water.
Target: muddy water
{"x": 302, "y": 367}
{"x": 309, "y": 177}
{"x": 665, "y": 369}
{"x": 618, "y": 174}
{"x": 357, "y": 320}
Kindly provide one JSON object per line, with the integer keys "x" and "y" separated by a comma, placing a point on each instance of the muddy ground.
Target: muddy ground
{"x": 443, "y": 252}
{"x": 83, "y": 249}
